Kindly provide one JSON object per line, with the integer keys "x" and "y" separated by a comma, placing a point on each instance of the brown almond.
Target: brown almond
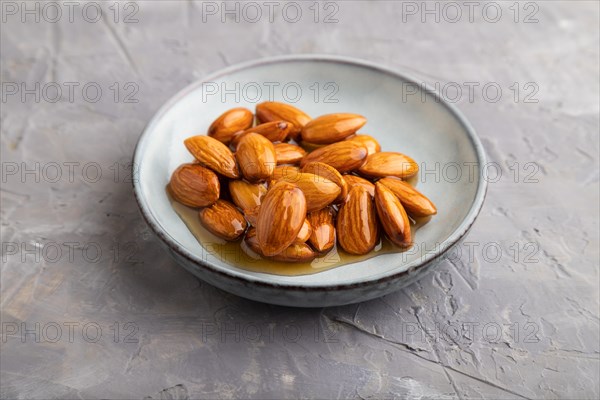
{"x": 213, "y": 154}
{"x": 414, "y": 202}
{"x": 288, "y": 153}
{"x": 297, "y": 252}
{"x": 392, "y": 215}
{"x": 290, "y": 171}
{"x": 369, "y": 142}
{"x": 275, "y": 131}
{"x": 256, "y": 157}
{"x": 245, "y": 195}
{"x": 354, "y": 180}
{"x": 252, "y": 241}
{"x": 322, "y": 237}
{"x": 251, "y": 215}
{"x": 357, "y": 229}
{"x": 319, "y": 192}
{"x": 328, "y": 172}
{"x": 223, "y": 220}
{"x": 331, "y": 128}
{"x": 310, "y": 147}
{"x": 304, "y": 233}
{"x": 380, "y": 165}
{"x": 230, "y": 122}
{"x": 280, "y": 218}
{"x": 344, "y": 156}
{"x": 275, "y": 111}
{"x": 194, "y": 186}
{"x": 235, "y": 139}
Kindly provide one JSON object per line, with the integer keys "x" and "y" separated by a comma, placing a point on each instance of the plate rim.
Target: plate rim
{"x": 446, "y": 245}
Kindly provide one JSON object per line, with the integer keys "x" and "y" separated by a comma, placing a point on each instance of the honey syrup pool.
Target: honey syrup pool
{"x": 238, "y": 254}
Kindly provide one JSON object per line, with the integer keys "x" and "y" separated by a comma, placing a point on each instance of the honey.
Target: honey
{"x": 238, "y": 254}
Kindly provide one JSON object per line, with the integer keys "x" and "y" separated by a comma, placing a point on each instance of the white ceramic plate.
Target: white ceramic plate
{"x": 416, "y": 123}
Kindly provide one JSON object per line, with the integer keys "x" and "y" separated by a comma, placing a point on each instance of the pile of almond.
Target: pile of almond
{"x": 291, "y": 185}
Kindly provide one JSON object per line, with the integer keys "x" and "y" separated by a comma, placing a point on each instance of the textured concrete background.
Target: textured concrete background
{"x": 92, "y": 307}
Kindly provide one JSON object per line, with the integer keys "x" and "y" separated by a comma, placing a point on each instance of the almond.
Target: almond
{"x": 319, "y": 192}
{"x": 357, "y": 230}
{"x": 213, "y": 154}
{"x": 252, "y": 241}
{"x": 256, "y": 157}
{"x": 369, "y": 142}
{"x": 251, "y": 215}
{"x": 230, "y": 122}
{"x": 235, "y": 139}
{"x": 380, "y": 165}
{"x": 344, "y": 156}
{"x": 332, "y": 128}
{"x": 275, "y": 111}
{"x": 194, "y": 186}
{"x": 328, "y": 172}
{"x": 414, "y": 202}
{"x": 354, "y": 180}
{"x": 309, "y": 147}
{"x": 297, "y": 252}
{"x": 290, "y": 171}
{"x": 322, "y": 237}
{"x": 245, "y": 195}
{"x": 275, "y": 131}
{"x": 223, "y": 220}
{"x": 304, "y": 233}
{"x": 287, "y": 153}
{"x": 392, "y": 215}
{"x": 280, "y": 218}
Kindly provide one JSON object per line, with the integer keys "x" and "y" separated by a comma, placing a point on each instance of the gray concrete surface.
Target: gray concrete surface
{"x": 93, "y": 308}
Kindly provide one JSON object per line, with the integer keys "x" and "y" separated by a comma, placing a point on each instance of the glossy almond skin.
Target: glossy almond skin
{"x": 319, "y": 192}
{"x": 274, "y": 111}
{"x": 213, "y": 154}
{"x": 414, "y": 202}
{"x": 344, "y": 156}
{"x": 223, "y": 220}
{"x": 287, "y": 153}
{"x": 357, "y": 229}
{"x": 251, "y": 215}
{"x": 354, "y": 180}
{"x": 230, "y": 122}
{"x": 194, "y": 186}
{"x": 380, "y": 165}
{"x": 304, "y": 233}
{"x": 310, "y": 147}
{"x": 246, "y": 195}
{"x": 297, "y": 252}
{"x": 331, "y": 128}
{"x": 275, "y": 131}
{"x": 328, "y": 172}
{"x": 252, "y": 241}
{"x": 256, "y": 157}
{"x": 280, "y": 218}
{"x": 290, "y": 171}
{"x": 369, "y": 142}
{"x": 322, "y": 237}
{"x": 392, "y": 215}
